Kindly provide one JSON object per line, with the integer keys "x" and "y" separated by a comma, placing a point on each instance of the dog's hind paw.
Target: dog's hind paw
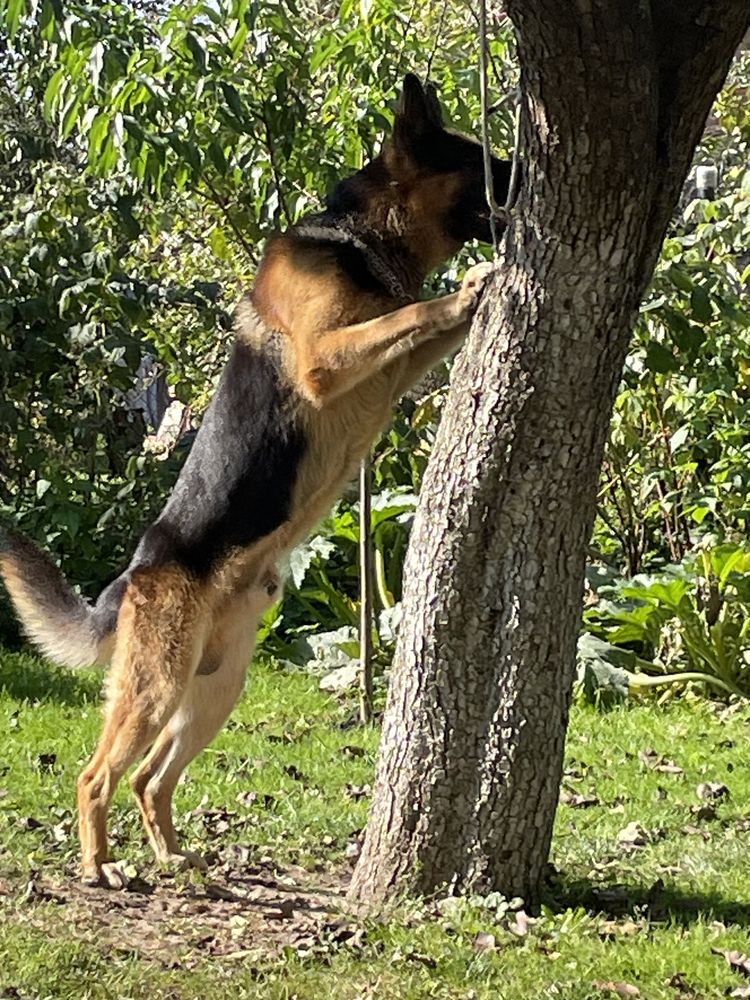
{"x": 181, "y": 860}
{"x": 108, "y": 875}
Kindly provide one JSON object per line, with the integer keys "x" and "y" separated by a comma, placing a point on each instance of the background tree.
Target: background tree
{"x": 614, "y": 98}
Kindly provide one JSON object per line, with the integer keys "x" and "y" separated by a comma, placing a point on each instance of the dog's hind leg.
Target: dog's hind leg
{"x": 159, "y": 642}
{"x": 210, "y": 697}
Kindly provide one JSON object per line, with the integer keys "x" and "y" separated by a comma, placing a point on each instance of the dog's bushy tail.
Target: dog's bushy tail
{"x": 60, "y": 623}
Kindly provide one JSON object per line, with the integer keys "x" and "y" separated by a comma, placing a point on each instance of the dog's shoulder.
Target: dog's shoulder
{"x": 314, "y": 278}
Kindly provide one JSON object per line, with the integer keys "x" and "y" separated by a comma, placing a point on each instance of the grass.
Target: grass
{"x": 648, "y": 916}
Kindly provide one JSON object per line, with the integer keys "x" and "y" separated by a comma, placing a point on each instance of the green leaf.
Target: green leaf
{"x": 700, "y": 304}
{"x": 198, "y": 51}
{"x": 661, "y": 360}
{"x": 51, "y": 13}
{"x": 14, "y": 12}
{"x": 70, "y": 116}
{"x": 53, "y": 90}
{"x": 97, "y": 135}
{"x": 680, "y": 278}
{"x": 218, "y": 243}
{"x": 603, "y": 670}
{"x": 216, "y": 156}
{"x": 96, "y": 61}
{"x": 680, "y": 436}
{"x": 233, "y": 99}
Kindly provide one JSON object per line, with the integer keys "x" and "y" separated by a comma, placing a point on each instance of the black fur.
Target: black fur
{"x": 468, "y": 217}
{"x": 348, "y": 259}
{"x": 236, "y": 484}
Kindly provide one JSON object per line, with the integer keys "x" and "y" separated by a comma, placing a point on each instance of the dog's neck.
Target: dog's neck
{"x": 384, "y": 251}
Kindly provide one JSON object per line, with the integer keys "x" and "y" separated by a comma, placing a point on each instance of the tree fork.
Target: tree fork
{"x": 614, "y": 97}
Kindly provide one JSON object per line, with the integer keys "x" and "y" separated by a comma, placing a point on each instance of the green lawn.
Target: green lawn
{"x": 278, "y": 801}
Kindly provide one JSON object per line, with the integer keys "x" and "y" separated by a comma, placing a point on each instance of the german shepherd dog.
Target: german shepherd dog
{"x": 329, "y": 337}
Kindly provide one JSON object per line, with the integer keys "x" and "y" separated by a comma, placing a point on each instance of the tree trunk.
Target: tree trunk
{"x": 614, "y": 97}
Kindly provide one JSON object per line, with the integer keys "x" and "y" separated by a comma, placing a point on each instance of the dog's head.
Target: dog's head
{"x": 443, "y": 167}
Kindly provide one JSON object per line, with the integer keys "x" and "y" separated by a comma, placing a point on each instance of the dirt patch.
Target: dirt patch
{"x": 237, "y": 910}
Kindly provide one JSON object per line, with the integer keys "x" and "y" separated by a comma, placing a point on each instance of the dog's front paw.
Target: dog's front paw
{"x": 471, "y": 289}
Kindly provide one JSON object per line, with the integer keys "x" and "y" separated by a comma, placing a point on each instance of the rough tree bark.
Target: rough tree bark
{"x": 614, "y": 97}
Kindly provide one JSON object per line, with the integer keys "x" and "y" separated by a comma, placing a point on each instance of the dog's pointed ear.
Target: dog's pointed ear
{"x": 434, "y": 110}
{"x": 412, "y": 106}
{"x": 417, "y": 115}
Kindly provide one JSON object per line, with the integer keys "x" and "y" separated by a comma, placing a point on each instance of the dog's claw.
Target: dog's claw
{"x": 472, "y": 287}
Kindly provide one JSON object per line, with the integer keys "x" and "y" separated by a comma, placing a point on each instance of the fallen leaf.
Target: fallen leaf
{"x": 283, "y": 911}
{"x": 633, "y": 836}
{"x": 712, "y": 791}
{"x": 738, "y": 961}
{"x": 620, "y": 989}
{"x": 214, "y": 891}
{"x": 357, "y": 791}
{"x": 61, "y": 833}
{"x": 342, "y": 932}
{"x": 704, "y": 813}
{"x": 696, "y": 831}
{"x": 419, "y": 956}
{"x": 578, "y": 801}
{"x": 30, "y": 823}
{"x": 741, "y": 991}
{"x": 266, "y": 800}
{"x": 523, "y": 924}
{"x": 34, "y": 893}
{"x": 353, "y": 751}
{"x": 657, "y": 762}
{"x": 484, "y": 941}
{"x": 611, "y": 929}
{"x": 679, "y": 983}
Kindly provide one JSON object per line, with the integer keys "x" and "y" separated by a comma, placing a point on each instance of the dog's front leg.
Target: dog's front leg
{"x": 335, "y": 361}
{"x": 426, "y": 356}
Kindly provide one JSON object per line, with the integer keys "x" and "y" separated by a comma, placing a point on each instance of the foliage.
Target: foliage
{"x": 677, "y": 462}
{"x": 690, "y": 624}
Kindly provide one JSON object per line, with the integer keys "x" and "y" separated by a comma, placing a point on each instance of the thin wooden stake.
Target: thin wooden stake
{"x": 365, "y": 594}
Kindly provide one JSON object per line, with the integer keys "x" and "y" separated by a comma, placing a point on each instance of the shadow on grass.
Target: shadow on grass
{"x": 27, "y": 678}
{"x": 658, "y": 902}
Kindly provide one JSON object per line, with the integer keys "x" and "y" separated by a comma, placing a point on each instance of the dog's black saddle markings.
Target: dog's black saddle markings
{"x": 236, "y": 484}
